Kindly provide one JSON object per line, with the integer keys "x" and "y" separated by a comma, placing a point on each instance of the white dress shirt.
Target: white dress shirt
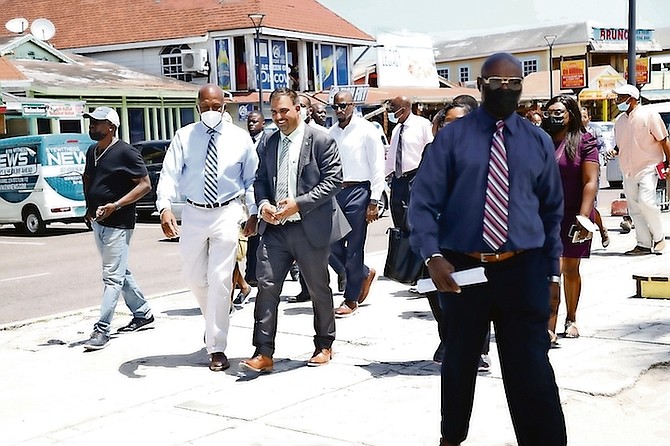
{"x": 296, "y": 138}
{"x": 314, "y": 125}
{"x": 184, "y": 166}
{"x": 417, "y": 133}
{"x": 362, "y": 153}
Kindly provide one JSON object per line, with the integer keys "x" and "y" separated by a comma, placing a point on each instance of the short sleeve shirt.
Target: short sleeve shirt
{"x": 110, "y": 177}
{"x": 638, "y": 136}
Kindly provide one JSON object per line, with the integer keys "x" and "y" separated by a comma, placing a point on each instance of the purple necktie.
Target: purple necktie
{"x": 497, "y": 192}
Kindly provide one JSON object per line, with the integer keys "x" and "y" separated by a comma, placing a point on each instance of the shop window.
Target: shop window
{"x": 187, "y": 116}
{"x": 463, "y": 74}
{"x": 68, "y": 126}
{"x": 171, "y": 63}
{"x": 529, "y": 66}
{"x": 43, "y": 126}
{"x": 136, "y": 123}
{"x": 241, "y": 76}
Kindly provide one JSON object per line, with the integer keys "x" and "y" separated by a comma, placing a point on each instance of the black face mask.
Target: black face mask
{"x": 96, "y": 136}
{"x": 553, "y": 124}
{"x": 501, "y": 102}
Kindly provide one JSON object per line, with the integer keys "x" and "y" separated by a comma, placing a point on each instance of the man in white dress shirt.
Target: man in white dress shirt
{"x": 217, "y": 153}
{"x": 362, "y": 156}
{"x": 408, "y": 139}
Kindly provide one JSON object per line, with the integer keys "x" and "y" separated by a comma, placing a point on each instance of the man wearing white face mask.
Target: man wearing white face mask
{"x": 641, "y": 141}
{"x": 212, "y": 163}
{"x": 408, "y": 139}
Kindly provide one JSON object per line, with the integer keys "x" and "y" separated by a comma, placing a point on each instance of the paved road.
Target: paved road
{"x": 60, "y": 271}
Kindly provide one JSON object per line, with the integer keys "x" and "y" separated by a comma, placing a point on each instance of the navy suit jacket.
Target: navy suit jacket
{"x": 319, "y": 180}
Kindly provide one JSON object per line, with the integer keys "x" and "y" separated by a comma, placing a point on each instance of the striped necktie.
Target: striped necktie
{"x": 398, "y": 153}
{"x": 211, "y": 170}
{"x": 497, "y": 192}
{"x": 282, "y": 172}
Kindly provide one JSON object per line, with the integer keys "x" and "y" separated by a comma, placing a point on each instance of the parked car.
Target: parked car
{"x": 614, "y": 175}
{"x": 153, "y": 153}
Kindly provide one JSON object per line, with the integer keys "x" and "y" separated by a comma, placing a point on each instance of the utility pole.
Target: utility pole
{"x": 632, "y": 34}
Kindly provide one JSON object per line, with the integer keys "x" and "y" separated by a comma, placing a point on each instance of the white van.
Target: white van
{"x": 41, "y": 180}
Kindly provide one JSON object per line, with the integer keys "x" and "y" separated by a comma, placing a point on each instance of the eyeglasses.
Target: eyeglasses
{"x": 494, "y": 82}
{"x": 554, "y": 113}
{"x": 341, "y": 105}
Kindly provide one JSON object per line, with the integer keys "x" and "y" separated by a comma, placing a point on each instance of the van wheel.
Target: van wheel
{"x": 32, "y": 222}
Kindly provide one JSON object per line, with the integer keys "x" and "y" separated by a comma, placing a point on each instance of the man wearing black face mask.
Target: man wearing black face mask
{"x": 115, "y": 177}
{"x": 488, "y": 194}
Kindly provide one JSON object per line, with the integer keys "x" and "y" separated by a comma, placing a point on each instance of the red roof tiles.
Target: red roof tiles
{"x": 9, "y": 71}
{"x": 87, "y": 23}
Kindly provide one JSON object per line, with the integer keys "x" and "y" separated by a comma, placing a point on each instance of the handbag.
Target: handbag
{"x": 402, "y": 264}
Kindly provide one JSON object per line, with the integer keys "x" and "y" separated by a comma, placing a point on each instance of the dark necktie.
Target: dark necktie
{"x": 211, "y": 170}
{"x": 497, "y": 192}
{"x": 398, "y": 153}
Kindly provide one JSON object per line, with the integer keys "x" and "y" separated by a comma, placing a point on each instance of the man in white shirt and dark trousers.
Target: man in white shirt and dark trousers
{"x": 362, "y": 156}
{"x": 212, "y": 164}
{"x": 408, "y": 139}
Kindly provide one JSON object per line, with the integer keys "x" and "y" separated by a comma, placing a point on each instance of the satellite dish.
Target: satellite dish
{"x": 17, "y": 25}
{"x": 43, "y": 29}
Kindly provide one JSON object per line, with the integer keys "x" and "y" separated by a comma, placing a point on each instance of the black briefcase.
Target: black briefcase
{"x": 402, "y": 264}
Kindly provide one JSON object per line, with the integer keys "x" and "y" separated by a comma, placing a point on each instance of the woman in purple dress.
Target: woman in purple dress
{"x": 577, "y": 158}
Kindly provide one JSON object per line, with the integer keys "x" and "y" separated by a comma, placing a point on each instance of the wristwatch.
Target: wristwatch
{"x": 554, "y": 279}
{"x": 437, "y": 254}
{"x": 374, "y": 202}
{"x": 117, "y": 206}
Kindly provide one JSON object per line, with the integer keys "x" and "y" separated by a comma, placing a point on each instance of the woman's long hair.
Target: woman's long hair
{"x": 575, "y": 128}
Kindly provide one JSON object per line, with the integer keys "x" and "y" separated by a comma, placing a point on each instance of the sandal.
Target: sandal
{"x": 571, "y": 330}
{"x": 242, "y": 296}
{"x": 553, "y": 339}
{"x": 605, "y": 237}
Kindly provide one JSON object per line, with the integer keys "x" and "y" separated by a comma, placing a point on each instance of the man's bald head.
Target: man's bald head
{"x": 401, "y": 106}
{"x": 496, "y": 62}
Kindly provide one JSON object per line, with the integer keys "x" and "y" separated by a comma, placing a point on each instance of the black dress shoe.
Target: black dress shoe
{"x": 219, "y": 362}
{"x": 302, "y": 297}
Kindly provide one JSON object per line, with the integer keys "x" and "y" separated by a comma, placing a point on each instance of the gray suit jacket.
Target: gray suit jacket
{"x": 319, "y": 180}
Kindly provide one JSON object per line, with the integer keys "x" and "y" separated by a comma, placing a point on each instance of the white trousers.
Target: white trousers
{"x": 640, "y": 193}
{"x": 208, "y": 246}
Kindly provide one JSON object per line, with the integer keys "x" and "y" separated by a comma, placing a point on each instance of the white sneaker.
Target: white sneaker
{"x": 484, "y": 363}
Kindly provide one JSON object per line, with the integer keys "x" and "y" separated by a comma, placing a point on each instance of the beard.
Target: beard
{"x": 96, "y": 136}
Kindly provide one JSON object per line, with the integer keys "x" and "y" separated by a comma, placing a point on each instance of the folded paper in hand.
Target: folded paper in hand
{"x": 465, "y": 277}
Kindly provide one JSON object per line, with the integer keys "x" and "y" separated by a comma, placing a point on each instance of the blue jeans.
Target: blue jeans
{"x": 113, "y": 246}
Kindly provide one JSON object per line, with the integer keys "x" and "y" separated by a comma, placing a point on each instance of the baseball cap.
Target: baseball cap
{"x": 629, "y": 90}
{"x": 105, "y": 114}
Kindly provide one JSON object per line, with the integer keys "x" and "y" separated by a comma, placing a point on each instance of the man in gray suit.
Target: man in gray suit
{"x": 297, "y": 179}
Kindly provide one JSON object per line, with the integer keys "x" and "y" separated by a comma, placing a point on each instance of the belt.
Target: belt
{"x": 209, "y": 206}
{"x": 346, "y": 184}
{"x": 492, "y": 257}
{"x": 409, "y": 173}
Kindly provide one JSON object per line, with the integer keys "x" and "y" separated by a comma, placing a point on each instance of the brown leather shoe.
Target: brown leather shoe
{"x": 367, "y": 283}
{"x": 348, "y": 308}
{"x": 218, "y": 362}
{"x": 258, "y": 364}
{"x": 321, "y": 357}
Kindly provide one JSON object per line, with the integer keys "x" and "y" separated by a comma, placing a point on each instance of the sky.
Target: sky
{"x": 453, "y": 19}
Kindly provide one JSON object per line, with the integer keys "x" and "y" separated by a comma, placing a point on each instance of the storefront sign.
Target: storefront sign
{"x": 621, "y": 34}
{"x": 279, "y": 65}
{"x": 641, "y": 70}
{"x": 573, "y": 74}
{"x": 358, "y": 92}
{"x": 65, "y": 110}
{"x": 406, "y": 60}
{"x": 34, "y": 110}
{"x": 223, "y": 64}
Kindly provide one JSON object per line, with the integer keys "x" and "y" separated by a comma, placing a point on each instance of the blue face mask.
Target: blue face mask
{"x": 624, "y": 106}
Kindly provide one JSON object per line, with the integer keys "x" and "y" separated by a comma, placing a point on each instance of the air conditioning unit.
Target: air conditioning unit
{"x": 194, "y": 60}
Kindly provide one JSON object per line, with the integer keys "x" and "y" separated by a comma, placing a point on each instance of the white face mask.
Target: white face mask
{"x": 393, "y": 118}
{"x": 211, "y": 118}
{"x": 303, "y": 114}
{"x": 624, "y": 106}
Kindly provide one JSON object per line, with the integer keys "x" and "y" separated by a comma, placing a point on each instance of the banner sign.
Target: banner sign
{"x": 573, "y": 74}
{"x": 223, "y": 64}
{"x": 406, "y": 60}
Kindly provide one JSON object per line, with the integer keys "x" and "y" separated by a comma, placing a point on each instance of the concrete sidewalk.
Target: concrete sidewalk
{"x": 154, "y": 387}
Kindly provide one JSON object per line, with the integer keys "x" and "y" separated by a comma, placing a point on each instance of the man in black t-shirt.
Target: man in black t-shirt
{"x": 115, "y": 177}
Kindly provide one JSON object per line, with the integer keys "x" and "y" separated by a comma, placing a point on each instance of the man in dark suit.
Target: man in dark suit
{"x": 488, "y": 194}
{"x": 298, "y": 177}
